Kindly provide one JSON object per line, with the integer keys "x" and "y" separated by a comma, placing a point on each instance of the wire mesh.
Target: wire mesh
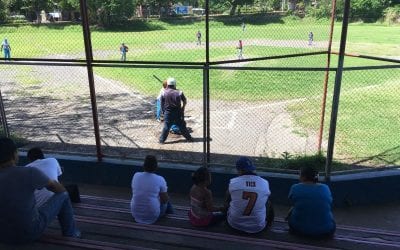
{"x": 127, "y": 113}
{"x": 49, "y": 107}
{"x": 265, "y": 98}
{"x": 368, "y": 118}
{"x": 265, "y": 114}
{"x": 261, "y": 35}
{"x": 45, "y": 41}
{"x": 171, "y": 39}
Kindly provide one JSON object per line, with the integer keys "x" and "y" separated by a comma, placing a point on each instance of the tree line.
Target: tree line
{"x": 108, "y": 13}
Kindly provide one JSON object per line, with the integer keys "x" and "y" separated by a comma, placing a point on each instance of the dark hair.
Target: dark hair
{"x": 35, "y": 154}
{"x": 7, "y": 149}
{"x": 309, "y": 174}
{"x": 150, "y": 163}
{"x": 200, "y": 175}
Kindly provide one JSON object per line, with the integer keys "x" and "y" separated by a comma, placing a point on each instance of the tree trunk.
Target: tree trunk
{"x": 233, "y": 9}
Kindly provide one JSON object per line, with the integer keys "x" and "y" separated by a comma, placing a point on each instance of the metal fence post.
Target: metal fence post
{"x": 3, "y": 117}
{"x": 328, "y": 64}
{"x": 89, "y": 60}
{"x": 206, "y": 82}
{"x": 336, "y": 93}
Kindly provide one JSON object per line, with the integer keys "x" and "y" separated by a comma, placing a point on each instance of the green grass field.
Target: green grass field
{"x": 368, "y": 122}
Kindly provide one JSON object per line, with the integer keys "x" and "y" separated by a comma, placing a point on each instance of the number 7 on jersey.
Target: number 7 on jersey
{"x": 252, "y": 197}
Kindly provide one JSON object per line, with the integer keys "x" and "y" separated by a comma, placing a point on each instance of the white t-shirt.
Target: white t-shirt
{"x": 145, "y": 203}
{"x": 161, "y": 94}
{"x": 51, "y": 168}
{"x": 247, "y": 210}
{"x": 5, "y": 45}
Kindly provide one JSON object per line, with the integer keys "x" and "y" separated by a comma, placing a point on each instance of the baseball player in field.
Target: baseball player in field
{"x": 239, "y": 48}
{"x": 249, "y": 210}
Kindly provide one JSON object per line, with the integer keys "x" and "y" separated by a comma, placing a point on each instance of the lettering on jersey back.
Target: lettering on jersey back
{"x": 250, "y": 184}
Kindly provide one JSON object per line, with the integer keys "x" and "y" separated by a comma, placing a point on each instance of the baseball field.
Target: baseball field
{"x": 256, "y": 112}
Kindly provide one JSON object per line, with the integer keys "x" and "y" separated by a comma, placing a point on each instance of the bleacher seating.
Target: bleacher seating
{"x": 106, "y": 223}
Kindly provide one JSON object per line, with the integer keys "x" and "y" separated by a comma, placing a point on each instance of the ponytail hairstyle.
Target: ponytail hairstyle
{"x": 309, "y": 174}
{"x": 200, "y": 175}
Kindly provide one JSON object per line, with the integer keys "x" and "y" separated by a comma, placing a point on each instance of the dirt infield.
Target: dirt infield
{"x": 43, "y": 113}
{"x": 249, "y": 42}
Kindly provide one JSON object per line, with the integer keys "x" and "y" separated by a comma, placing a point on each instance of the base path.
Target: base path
{"x": 55, "y": 112}
{"x": 249, "y": 42}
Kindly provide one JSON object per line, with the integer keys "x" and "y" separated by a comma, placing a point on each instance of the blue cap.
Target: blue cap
{"x": 245, "y": 164}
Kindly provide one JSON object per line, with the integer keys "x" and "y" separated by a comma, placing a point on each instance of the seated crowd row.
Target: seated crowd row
{"x": 31, "y": 197}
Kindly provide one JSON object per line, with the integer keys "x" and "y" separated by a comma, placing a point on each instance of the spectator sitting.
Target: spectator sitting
{"x": 20, "y": 219}
{"x": 49, "y": 167}
{"x": 249, "y": 207}
{"x": 149, "y": 194}
{"x": 311, "y": 214}
{"x": 202, "y": 212}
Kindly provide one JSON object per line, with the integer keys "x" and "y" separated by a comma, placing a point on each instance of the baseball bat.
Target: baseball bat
{"x": 158, "y": 79}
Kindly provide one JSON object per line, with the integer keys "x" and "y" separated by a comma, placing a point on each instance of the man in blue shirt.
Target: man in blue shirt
{"x": 311, "y": 214}
{"x": 21, "y": 221}
{"x": 123, "y": 49}
{"x": 5, "y": 46}
{"x": 174, "y": 102}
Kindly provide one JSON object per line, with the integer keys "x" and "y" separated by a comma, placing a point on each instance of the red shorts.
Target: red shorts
{"x": 199, "y": 222}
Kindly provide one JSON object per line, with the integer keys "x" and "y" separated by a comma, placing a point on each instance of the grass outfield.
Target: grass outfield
{"x": 368, "y": 122}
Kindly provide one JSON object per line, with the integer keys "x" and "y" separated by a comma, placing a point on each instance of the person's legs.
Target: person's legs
{"x": 270, "y": 213}
{"x": 175, "y": 129}
{"x": 217, "y": 217}
{"x": 158, "y": 112}
{"x": 7, "y": 54}
{"x": 240, "y": 56}
{"x": 167, "y": 126}
{"x": 166, "y": 208}
{"x": 59, "y": 205}
{"x": 180, "y": 122}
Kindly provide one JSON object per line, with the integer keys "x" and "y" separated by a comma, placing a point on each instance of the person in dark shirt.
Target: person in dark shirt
{"x": 174, "y": 102}
{"x": 21, "y": 220}
{"x": 311, "y": 215}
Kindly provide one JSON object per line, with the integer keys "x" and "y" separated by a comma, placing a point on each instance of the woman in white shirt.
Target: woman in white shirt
{"x": 150, "y": 199}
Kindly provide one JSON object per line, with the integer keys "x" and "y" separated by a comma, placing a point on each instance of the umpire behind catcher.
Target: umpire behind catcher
{"x": 173, "y": 101}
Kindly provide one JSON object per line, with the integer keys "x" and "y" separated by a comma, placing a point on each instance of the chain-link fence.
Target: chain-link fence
{"x": 49, "y": 106}
{"x": 258, "y": 84}
{"x": 368, "y": 118}
{"x": 264, "y": 113}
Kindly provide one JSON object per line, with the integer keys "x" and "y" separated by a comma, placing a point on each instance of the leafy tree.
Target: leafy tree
{"x": 3, "y": 11}
{"x": 233, "y": 4}
{"x": 274, "y": 4}
{"x": 265, "y": 5}
{"x": 392, "y": 14}
{"x": 36, "y": 6}
{"x": 112, "y": 12}
{"x": 14, "y": 6}
{"x": 321, "y": 10}
{"x": 69, "y": 5}
{"x": 368, "y": 10}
